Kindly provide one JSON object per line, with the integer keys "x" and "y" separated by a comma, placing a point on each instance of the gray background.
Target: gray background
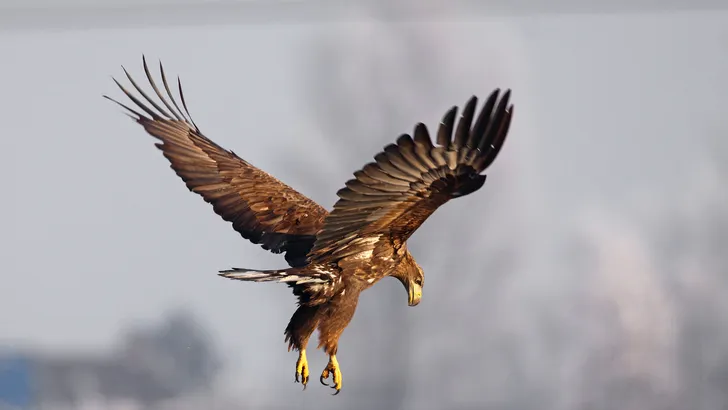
{"x": 588, "y": 274}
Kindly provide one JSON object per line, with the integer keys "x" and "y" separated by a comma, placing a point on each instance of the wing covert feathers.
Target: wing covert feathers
{"x": 391, "y": 197}
{"x": 261, "y": 208}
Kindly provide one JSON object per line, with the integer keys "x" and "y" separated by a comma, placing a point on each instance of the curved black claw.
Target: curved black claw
{"x": 332, "y": 369}
{"x": 303, "y": 380}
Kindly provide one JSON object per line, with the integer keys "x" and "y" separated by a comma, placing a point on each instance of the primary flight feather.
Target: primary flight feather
{"x": 332, "y": 256}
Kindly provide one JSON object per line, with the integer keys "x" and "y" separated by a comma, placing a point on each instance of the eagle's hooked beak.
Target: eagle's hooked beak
{"x": 414, "y": 292}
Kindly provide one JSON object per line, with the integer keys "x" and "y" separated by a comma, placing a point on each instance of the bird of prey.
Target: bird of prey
{"x": 332, "y": 256}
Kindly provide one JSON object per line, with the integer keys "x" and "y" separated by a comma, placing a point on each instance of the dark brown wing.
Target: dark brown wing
{"x": 261, "y": 208}
{"x": 390, "y": 198}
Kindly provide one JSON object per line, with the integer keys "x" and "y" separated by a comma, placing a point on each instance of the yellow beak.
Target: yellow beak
{"x": 414, "y": 294}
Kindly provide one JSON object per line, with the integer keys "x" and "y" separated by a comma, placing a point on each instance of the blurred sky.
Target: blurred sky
{"x": 615, "y": 113}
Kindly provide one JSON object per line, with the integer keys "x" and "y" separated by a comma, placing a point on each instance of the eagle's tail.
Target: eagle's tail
{"x": 290, "y": 275}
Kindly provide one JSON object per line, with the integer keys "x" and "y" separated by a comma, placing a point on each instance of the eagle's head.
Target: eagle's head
{"x": 412, "y": 277}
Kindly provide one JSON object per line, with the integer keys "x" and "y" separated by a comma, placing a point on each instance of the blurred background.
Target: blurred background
{"x": 590, "y": 273}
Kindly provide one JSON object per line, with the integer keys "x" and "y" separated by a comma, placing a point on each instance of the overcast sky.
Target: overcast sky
{"x": 614, "y": 116}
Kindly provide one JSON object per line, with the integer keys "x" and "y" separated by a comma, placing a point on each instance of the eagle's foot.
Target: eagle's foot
{"x": 332, "y": 369}
{"x": 302, "y": 368}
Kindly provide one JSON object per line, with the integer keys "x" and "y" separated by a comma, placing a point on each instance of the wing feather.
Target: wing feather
{"x": 462, "y": 133}
{"x": 393, "y": 196}
{"x": 261, "y": 208}
{"x": 387, "y": 167}
{"x": 444, "y": 132}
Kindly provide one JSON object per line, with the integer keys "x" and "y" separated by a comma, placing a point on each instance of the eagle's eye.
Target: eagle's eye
{"x": 418, "y": 282}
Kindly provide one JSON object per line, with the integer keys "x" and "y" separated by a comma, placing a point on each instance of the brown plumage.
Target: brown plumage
{"x": 334, "y": 256}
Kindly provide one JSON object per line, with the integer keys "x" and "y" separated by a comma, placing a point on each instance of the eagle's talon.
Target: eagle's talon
{"x": 302, "y": 368}
{"x": 332, "y": 369}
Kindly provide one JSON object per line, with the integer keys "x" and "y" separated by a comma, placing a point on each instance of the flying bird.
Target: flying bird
{"x": 332, "y": 256}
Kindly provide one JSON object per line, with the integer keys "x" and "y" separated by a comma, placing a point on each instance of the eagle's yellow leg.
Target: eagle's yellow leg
{"x": 302, "y": 368}
{"x": 332, "y": 369}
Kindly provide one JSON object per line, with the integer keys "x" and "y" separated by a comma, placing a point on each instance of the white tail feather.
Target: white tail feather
{"x": 281, "y": 275}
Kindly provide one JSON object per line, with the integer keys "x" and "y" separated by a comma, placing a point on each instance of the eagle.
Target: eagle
{"x": 332, "y": 256}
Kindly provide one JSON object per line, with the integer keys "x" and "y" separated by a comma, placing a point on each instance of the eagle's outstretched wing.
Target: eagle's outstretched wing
{"x": 261, "y": 208}
{"x": 390, "y": 198}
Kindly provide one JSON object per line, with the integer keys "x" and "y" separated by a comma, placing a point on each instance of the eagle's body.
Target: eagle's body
{"x": 335, "y": 256}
